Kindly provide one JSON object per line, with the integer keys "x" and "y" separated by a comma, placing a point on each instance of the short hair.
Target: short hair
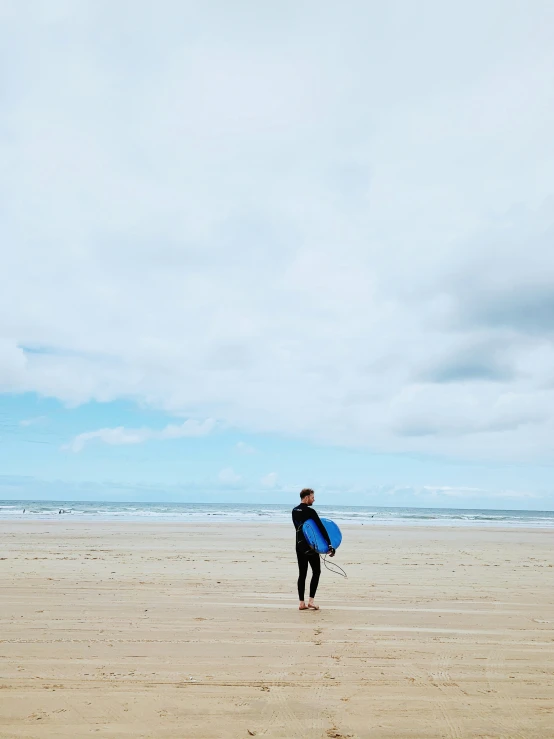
{"x": 304, "y": 493}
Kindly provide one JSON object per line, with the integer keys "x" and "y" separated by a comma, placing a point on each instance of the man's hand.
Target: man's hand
{"x": 331, "y": 551}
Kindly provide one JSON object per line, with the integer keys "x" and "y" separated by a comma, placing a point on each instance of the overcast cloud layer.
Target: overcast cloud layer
{"x": 329, "y": 220}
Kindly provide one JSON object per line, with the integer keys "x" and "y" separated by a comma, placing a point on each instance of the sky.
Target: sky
{"x": 249, "y": 247}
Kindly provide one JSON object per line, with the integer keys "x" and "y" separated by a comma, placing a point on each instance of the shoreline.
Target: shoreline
{"x": 346, "y": 526}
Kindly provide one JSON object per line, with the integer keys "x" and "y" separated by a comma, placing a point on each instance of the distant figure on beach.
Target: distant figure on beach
{"x": 304, "y": 553}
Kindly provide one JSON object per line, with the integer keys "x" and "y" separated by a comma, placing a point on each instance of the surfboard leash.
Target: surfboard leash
{"x": 342, "y": 573}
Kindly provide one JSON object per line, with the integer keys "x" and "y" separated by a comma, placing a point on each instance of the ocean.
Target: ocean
{"x": 366, "y": 515}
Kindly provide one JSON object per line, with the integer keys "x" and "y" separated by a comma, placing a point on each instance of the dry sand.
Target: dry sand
{"x": 171, "y": 630}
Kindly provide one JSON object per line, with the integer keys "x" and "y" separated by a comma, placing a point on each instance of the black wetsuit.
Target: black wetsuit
{"x": 304, "y": 553}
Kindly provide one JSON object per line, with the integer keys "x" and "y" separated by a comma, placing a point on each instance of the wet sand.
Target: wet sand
{"x": 192, "y": 631}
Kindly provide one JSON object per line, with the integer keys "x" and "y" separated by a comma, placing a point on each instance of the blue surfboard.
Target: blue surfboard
{"x": 315, "y": 539}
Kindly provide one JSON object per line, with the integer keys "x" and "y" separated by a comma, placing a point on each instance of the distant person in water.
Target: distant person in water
{"x": 304, "y": 553}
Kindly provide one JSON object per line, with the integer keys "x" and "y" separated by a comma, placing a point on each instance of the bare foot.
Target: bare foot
{"x": 302, "y": 607}
{"x": 313, "y": 606}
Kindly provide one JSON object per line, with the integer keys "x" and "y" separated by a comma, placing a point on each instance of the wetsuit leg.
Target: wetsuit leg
{"x": 315, "y": 564}
{"x": 302, "y": 558}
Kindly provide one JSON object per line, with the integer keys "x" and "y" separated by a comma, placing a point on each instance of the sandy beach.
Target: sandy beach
{"x": 192, "y": 631}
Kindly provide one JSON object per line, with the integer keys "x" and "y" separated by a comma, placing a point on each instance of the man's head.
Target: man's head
{"x": 307, "y": 496}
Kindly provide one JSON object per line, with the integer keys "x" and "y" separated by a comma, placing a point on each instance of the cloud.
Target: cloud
{"x": 229, "y": 477}
{"x": 269, "y": 480}
{"x": 12, "y": 363}
{"x": 481, "y": 360}
{"x": 467, "y": 493}
{"x": 243, "y": 448}
{"x": 294, "y": 236}
{"x": 120, "y": 435}
{"x": 33, "y": 488}
{"x": 32, "y": 421}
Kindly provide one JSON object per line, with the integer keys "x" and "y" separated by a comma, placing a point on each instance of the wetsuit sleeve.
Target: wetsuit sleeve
{"x": 316, "y": 518}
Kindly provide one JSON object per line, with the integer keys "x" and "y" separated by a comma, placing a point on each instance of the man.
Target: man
{"x": 304, "y": 553}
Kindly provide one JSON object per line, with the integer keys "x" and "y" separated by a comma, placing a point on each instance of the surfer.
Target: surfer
{"x": 304, "y": 553}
